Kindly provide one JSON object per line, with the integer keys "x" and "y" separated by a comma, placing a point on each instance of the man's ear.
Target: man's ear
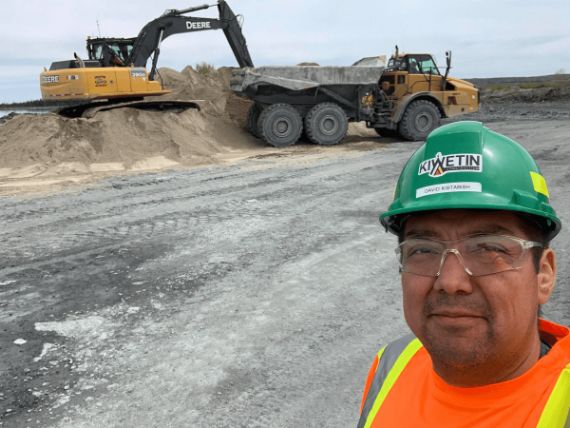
{"x": 546, "y": 275}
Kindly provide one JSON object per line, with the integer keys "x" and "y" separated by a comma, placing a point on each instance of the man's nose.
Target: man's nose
{"x": 453, "y": 276}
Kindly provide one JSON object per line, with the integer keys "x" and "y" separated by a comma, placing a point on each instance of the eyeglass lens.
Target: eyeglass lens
{"x": 480, "y": 255}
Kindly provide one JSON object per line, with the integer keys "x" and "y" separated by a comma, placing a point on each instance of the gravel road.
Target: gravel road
{"x": 251, "y": 295}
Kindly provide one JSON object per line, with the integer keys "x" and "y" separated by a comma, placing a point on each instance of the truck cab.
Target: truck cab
{"x": 412, "y": 76}
{"x": 410, "y": 73}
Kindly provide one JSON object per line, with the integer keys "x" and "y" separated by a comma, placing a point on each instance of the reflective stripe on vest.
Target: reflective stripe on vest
{"x": 393, "y": 358}
{"x": 556, "y": 412}
{"x": 391, "y": 362}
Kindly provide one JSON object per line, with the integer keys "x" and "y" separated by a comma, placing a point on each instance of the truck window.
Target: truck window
{"x": 414, "y": 67}
{"x": 427, "y": 65}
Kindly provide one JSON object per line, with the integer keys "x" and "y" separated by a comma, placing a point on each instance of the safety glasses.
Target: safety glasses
{"x": 479, "y": 254}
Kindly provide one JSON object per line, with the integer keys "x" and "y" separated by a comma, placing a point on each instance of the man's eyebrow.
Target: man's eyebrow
{"x": 482, "y": 230}
{"x": 491, "y": 229}
{"x": 421, "y": 233}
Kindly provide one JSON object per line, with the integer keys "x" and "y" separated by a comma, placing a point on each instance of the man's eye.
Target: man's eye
{"x": 490, "y": 248}
{"x": 421, "y": 250}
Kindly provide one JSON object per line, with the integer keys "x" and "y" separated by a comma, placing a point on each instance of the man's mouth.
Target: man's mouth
{"x": 455, "y": 314}
{"x": 456, "y": 318}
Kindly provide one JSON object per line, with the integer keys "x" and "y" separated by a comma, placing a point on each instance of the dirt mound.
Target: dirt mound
{"x": 51, "y": 147}
{"x": 123, "y": 135}
{"x": 126, "y": 138}
{"x": 211, "y": 86}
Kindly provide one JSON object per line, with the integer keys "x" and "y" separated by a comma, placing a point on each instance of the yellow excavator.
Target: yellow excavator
{"x": 114, "y": 72}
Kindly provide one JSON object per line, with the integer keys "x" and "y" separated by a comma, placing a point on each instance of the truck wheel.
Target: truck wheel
{"x": 421, "y": 117}
{"x": 384, "y": 132}
{"x": 280, "y": 125}
{"x": 252, "y": 117}
{"x": 326, "y": 123}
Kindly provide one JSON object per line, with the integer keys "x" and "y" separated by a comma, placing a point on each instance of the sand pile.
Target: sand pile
{"x": 114, "y": 140}
{"x": 213, "y": 87}
{"x": 44, "y": 150}
{"x": 130, "y": 139}
{"x": 127, "y": 139}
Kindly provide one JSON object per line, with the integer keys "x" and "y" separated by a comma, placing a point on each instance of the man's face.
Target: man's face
{"x": 465, "y": 322}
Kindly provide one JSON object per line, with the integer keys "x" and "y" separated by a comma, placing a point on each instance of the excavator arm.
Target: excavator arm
{"x": 148, "y": 42}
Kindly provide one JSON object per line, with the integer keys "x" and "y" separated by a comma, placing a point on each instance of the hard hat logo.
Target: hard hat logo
{"x": 460, "y": 162}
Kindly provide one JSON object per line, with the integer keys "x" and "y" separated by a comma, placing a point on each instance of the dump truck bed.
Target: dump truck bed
{"x": 246, "y": 81}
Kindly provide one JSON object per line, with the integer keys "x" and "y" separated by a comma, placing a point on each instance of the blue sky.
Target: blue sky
{"x": 488, "y": 38}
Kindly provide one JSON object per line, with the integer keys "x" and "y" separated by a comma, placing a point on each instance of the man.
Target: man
{"x": 474, "y": 222}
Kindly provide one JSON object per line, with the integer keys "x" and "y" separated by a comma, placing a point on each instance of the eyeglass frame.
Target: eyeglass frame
{"x": 524, "y": 243}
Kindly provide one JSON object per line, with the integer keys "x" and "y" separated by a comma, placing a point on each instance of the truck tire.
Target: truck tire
{"x": 252, "y": 118}
{"x": 326, "y": 124}
{"x": 280, "y": 125}
{"x": 384, "y": 132}
{"x": 420, "y": 118}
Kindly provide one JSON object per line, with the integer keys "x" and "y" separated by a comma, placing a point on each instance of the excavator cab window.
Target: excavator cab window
{"x": 110, "y": 51}
{"x": 117, "y": 49}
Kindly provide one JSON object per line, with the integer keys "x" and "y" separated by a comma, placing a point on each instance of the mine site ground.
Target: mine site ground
{"x": 250, "y": 288}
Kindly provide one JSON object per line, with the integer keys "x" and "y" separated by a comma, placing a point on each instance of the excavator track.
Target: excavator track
{"x": 89, "y": 110}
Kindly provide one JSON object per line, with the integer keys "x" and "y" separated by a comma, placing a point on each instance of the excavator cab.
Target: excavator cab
{"x": 110, "y": 51}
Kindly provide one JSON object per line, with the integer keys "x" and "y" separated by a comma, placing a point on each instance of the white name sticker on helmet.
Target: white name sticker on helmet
{"x": 448, "y": 188}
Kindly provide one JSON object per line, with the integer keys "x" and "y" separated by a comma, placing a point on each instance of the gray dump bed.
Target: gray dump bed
{"x": 303, "y": 77}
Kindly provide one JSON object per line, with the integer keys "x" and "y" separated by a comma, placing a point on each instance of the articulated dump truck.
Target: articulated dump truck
{"x": 407, "y": 99}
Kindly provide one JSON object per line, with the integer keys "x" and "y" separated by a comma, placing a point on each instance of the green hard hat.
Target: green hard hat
{"x": 466, "y": 165}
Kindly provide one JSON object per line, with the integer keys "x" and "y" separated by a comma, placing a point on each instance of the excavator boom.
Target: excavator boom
{"x": 172, "y": 22}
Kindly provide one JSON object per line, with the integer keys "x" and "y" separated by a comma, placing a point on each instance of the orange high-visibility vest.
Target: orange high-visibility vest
{"x": 403, "y": 391}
